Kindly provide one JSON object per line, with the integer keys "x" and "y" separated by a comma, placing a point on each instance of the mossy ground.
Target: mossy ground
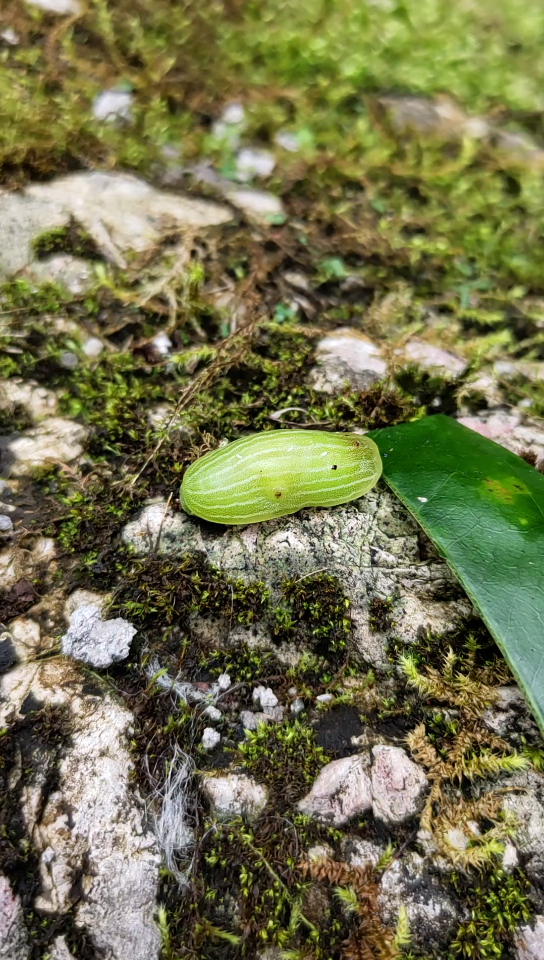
{"x": 433, "y": 234}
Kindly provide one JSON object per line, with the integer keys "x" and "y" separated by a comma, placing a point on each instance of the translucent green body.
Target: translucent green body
{"x": 277, "y": 473}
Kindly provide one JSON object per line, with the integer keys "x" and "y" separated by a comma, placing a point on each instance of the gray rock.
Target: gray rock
{"x": 529, "y": 940}
{"x": 10, "y": 37}
{"x": 432, "y": 914}
{"x": 235, "y": 795}
{"x": 16, "y": 564}
{"x": 233, "y": 113}
{"x": 265, "y": 697}
{"x": 162, "y": 344}
{"x": 25, "y": 635}
{"x": 287, "y": 141}
{"x": 341, "y": 791}
{"x": 6, "y": 524}
{"x": 92, "y": 347}
{"x": 528, "y": 810}
{"x": 210, "y": 739}
{"x": 69, "y": 360}
{"x": 73, "y": 273}
{"x": 95, "y": 641}
{"x": 507, "y": 428}
{"x": 80, "y": 598}
{"x": 297, "y": 706}
{"x": 359, "y": 853}
{"x": 13, "y": 935}
{"x": 120, "y": 212}
{"x": 251, "y": 721}
{"x": 38, "y": 402}
{"x": 398, "y": 785}
{"x": 371, "y": 545}
{"x": 112, "y": 105}
{"x": 55, "y": 440}
{"x": 90, "y": 828}
{"x": 212, "y": 713}
{"x": 59, "y": 950}
{"x": 251, "y": 163}
{"x": 347, "y": 357}
{"x": 156, "y": 526}
{"x": 63, "y": 8}
{"x": 258, "y": 205}
{"x": 433, "y": 358}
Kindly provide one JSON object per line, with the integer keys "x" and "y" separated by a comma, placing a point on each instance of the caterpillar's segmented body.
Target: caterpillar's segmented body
{"x": 276, "y": 473}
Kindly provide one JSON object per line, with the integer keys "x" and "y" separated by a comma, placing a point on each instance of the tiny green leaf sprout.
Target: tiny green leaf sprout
{"x": 276, "y": 473}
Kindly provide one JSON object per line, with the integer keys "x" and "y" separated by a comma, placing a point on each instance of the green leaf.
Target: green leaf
{"x": 483, "y": 508}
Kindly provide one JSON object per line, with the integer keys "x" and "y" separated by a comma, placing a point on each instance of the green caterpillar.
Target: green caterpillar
{"x": 276, "y": 473}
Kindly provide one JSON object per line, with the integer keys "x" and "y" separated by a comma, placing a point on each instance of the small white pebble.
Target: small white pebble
{"x": 9, "y": 36}
{"x": 254, "y": 163}
{"x": 162, "y": 344}
{"x": 297, "y": 706}
{"x": 6, "y": 524}
{"x": 212, "y": 713}
{"x": 249, "y": 720}
{"x": 265, "y": 697}
{"x": 325, "y": 698}
{"x": 223, "y": 682}
{"x": 292, "y": 692}
{"x": 112, "y": 105}
{"x": 92, "y": 347}
{"x": 287, "y": 141}
{"x": 233, "y": 113}
{"x": 210, "y": 738}
{"x": 68, "y": 360}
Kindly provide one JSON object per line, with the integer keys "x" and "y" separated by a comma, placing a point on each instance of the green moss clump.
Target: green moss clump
{"x": 248, "y": 894}
{"x": 70, "y": 239}
{"x": 286, "y": 757}
{"x": 156, "y": 590}
{"x": 318, "y": 612}
{"x": 242, "y": 663}
{"x": 498, "y": 904}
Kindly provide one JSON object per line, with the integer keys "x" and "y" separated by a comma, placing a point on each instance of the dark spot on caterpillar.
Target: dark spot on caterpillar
{"x": 277, "y": 494}
{"x": 335, "y": 467}
{"x": 356, "y": 443}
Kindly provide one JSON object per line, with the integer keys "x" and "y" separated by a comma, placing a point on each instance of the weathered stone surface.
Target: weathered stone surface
{"x": 443, "y": 119}
{"x": 59, "y": 950}
{"x": 234, "y": 795}
{"x": 258, "y": 205}
{"x": 372, "y": 546}
{"x": 120, "y": 212}
{"x": 95, "y": 641}
{"x": 511, "y": 430}
{"x": 38, "y": 402}
{"x": 16, "y": 565}
{"x": 529, "y": 940}
{"x": 398, "y": 785}
{"x": 433, "y": 358}
{"x": 13, "y": 936}
{"x": 25, "y": 635}
{"x": 341, "y": 791}
{"x": 210, "y": 739}
{"x": 252, "y": 162}
{"x": 432, "y": 914}
{"x": 73, "y": 273}
{"x": 347, "y": 357}
{"x": 55, "y": 440}
{"x": 90, "y": 828}
{"x": 62, "y": 8}
{"x": 528, "y": 810}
